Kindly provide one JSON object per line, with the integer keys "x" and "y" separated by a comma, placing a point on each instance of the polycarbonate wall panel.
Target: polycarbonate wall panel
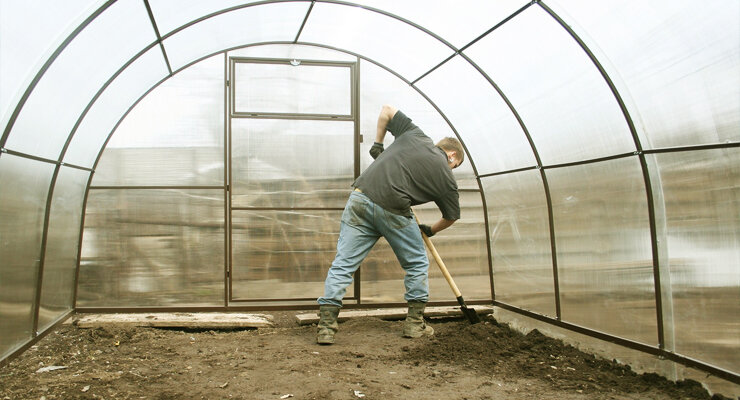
{"x": 602, "y": 234}
{"x": 62, "y": 245}
{"x": 254, "y": 24}
{"x": 76, "y": 76}
{"x": 403, "y": 48}
{"x": 25, "y": 185}
{"x": 287, "y": 88}
{"x": 564, "y": 102}
{"x": 462, "y": 247}
{"x": 679, "y": 60}
{"x": 485, "y": 123}
{"x": 282, "y": 254}
{"x": 291, "y": 163}
{"x": 27, "y": 36}
{"x": 174, "y": 136}
{"x": 458, "y": 25}
{"x": 113, "y": 103}
{"x": 171, "y": 14}
{"x": 152, "y": 247}
{"x": 520, "y": 241}
{"x": 376, "y": 86}
{"x": 702, "y": 202}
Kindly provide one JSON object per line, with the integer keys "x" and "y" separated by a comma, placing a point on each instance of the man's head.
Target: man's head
{"x": 454, "y": 150}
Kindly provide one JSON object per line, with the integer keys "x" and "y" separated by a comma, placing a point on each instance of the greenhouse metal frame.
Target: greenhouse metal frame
{"x": 639, "y": 151}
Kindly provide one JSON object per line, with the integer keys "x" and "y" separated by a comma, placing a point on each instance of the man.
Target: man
{"x": 413, "y": 170}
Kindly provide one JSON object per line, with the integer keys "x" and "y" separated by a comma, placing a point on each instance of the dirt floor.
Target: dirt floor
{"x": 370, "y": 360}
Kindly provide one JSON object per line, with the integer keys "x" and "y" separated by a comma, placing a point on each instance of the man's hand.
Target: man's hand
{"x": 426, "y": 229}
{"x": 376, "y": 150}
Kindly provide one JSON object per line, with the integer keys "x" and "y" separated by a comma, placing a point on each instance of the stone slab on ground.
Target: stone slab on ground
{"x": 395, "y": 313}
{"x": 199, "y": 320}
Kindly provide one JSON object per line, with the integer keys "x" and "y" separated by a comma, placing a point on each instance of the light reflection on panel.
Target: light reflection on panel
{"x": 400, "y": 46}
{"x": 679, "y": 61}
{"x": 255, "y": 24}
{"x": 376, "y": 84}
{"x": 702, "y": 201}
{"x": 152, "y": 248}
{"x": 486, "y": 124}
{"x": 462, "y": 248}
{"x": 602, "y": 234}
{"x": 282, "y": 255}
{"x": 174, "y": 136}
{"x": 49, "y": 115}
{"x": 560, "y": 95}
{"x": 520, "y": 241}
{"x": 24, "y": 185}
{"x": 60, "y": 260}
{"x": 291, "y": 163}
{"x": 288, "y": 88}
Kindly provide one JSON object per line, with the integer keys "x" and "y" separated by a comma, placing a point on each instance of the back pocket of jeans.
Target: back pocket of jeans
{"x": 396, "y": 221}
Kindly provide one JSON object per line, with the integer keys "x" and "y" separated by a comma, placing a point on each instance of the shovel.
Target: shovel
{"x": 469, "y": 313}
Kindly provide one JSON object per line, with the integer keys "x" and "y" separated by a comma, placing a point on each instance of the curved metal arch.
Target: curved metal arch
{"x": 643, "y": 165}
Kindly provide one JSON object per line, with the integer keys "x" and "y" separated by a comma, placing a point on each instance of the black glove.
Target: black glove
{"x": 426, "y": 229}
{"x": 376, "y": 150}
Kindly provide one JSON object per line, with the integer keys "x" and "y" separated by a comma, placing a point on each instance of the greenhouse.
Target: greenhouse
{"x": 196, "y": 156}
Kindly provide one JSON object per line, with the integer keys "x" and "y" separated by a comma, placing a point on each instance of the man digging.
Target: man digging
{"x": 412, "y": 171}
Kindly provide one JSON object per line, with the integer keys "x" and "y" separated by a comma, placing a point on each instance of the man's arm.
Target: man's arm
{"x": 386, "y": 114}
{"x": 441, "y": 225}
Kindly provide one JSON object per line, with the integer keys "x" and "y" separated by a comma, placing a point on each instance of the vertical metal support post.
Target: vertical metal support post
{"x": 227, "y": 192}
{"x": 229, "y": 108}
{"x": 358, "y": 140}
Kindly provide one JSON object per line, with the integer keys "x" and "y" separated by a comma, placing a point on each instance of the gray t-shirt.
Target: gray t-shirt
{"x": 411, "y": 171}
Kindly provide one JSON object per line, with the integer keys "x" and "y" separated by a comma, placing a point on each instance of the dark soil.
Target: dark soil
{"x": 370, "y": 360}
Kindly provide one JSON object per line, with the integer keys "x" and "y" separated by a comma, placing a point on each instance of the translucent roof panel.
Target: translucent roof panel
{"x": 680, "y": 60}
{"x": 77, "y": 75}
{"x": 107, "y": 110}
{"x": 398, "y": 45}
{"x": 457, "y": 25}
{"x": 266, "y": 23}
{"x": 564, "y": 102}
{"x": 25, "y": 34}
{"x": 488, "y": 127}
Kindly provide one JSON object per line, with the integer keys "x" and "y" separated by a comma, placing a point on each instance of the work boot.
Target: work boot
{"x": 414, "y": 326}
{"x": 327, "y": 324}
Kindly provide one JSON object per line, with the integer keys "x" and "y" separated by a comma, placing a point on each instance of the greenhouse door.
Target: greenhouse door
{"x": 293, "y": 153}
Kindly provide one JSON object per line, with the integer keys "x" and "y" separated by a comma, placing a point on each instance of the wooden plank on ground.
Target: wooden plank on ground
{"x": 205, "y": 320}
{"x": 394, "y": 313}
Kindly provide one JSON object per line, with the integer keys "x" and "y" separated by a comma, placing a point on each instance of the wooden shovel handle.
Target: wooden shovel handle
{"x": 439, "y": 261}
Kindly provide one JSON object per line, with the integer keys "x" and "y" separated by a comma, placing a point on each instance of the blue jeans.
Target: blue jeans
{"x": 363, "y": 223}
